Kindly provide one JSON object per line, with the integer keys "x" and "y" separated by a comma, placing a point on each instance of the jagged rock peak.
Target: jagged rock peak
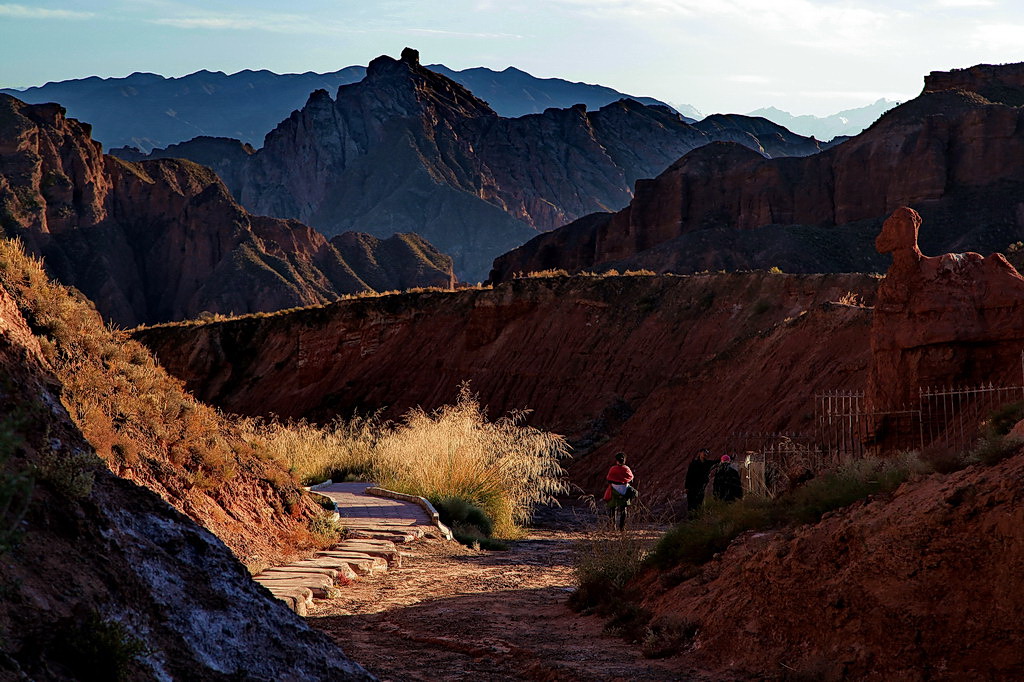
{"x": 411, "y": 56}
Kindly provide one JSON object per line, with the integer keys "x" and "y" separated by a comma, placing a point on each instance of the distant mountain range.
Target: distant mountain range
{"x": 146, "y": 110}
{"x": 955, "y": 154}
{"x": 843, "y": 124}
{"x": 409, "y": 150}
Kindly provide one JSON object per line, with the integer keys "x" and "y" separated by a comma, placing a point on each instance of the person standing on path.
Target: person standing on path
{"x": 697, "y": 477}
{"x": 726, "y": 485}
{"x": 619, "y": 494}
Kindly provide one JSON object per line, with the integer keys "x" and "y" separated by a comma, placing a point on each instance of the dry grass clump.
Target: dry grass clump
{"x": 312, "y": 453}
{"x": 542, "y": 274}
{"x": 504, "y": 467}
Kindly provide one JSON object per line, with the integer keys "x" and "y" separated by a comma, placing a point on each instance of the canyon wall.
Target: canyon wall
{"x": 658, "y": 366}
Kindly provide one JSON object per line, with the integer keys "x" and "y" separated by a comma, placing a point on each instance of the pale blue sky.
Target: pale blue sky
{"x": 804, "y": 56}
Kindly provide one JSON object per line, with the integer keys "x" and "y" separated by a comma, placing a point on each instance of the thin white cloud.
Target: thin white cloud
{"x": 273, "y": 23}
{"x": 23, "y": 12}
{"x": 966, "y": 3}
{"x": 296, "y": 24}
{"x": 457, "y": 34}
{"x": 750, "y": 79}
{"x": 1002, "y": 36}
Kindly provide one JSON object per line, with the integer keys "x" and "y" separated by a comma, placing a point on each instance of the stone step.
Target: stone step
{"x": 318, "y": 584}
{"x": 297, "y": 598}
{"x": 293, "y": 571}
{"x": 397, "y": 537}
{"x": 361, "y": 563}
{"x": 379, "y": 548}
{"x": 344, "y": 569}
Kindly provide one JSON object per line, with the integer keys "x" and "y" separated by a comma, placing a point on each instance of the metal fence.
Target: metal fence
{"x": 948, "y": 417}
{"x": 951, "y": 417}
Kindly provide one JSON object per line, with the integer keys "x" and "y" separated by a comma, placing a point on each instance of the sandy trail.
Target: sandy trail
{"x": 452, "y": 613}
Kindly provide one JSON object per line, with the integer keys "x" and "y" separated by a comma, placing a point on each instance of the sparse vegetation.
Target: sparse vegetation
{"x": 540, "y": 274}
{"x": 694, "y": 542}
{"x": 852, "y": 299}
{"x": 603, "y": 567}
{"x": 325, "y": 530}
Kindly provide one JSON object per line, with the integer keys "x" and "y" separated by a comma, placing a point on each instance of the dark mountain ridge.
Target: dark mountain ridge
{"x": 409, "y": 149}
{"x": 147, "y": 110}
{"x": 950, "y": 153}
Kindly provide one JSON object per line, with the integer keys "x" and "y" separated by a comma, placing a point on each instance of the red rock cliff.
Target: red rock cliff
{"x": 950, "y": 153}
{"x": 409, "y": 148}
{"x": 655, "y": 365}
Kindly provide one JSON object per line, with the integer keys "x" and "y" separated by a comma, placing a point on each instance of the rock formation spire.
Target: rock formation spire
{"x": 411, "y": 56}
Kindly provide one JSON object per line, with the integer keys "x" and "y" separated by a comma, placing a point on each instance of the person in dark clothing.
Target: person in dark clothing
{"x": 618, "y": 494}
{"x": 697, "y": 478}
{"x": 727, "y": 485}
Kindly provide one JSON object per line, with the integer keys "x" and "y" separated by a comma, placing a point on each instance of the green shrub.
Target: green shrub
{"x": 70, "y": 472}
{"x": 1003, "y": 418}
{"x": 456, "y": 511}
{"x": 602, "y": 568}
{"x": 325, "y": 529}
{"x": 668, "y": 636}
{"x": 992, "y": 449}
{"x": 100, "y": 650}
{"x": 697, "y": 540}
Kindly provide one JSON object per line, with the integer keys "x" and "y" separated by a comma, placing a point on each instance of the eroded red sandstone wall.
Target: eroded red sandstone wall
{"x": 657, "y": 366}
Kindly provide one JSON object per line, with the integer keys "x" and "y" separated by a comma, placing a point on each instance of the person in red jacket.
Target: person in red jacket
{"x": 619, "y": 494}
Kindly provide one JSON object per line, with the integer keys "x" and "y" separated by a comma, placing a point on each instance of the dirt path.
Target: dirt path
{"x": 453, "y": 613}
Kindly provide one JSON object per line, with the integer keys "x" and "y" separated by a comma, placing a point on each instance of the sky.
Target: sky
{"x": 802, "y": 56}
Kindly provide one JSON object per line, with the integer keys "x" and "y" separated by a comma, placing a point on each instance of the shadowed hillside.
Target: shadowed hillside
{"x": 162, "y": 240}
{"x": 103, "y": 579}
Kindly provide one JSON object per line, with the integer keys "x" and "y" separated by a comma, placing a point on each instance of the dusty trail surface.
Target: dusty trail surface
{"x": 452, "y": 613}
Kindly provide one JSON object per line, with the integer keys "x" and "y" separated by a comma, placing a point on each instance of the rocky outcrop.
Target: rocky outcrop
{"x": 164, "y": 240}
{"x": 103, "y": 579}
{"x": 657, "y": 366}
{"x": 885, "y": 582}
{"x": 950, "y": 153}
{"x": 408, "y": 149}
{"x": 951, "y": 320}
